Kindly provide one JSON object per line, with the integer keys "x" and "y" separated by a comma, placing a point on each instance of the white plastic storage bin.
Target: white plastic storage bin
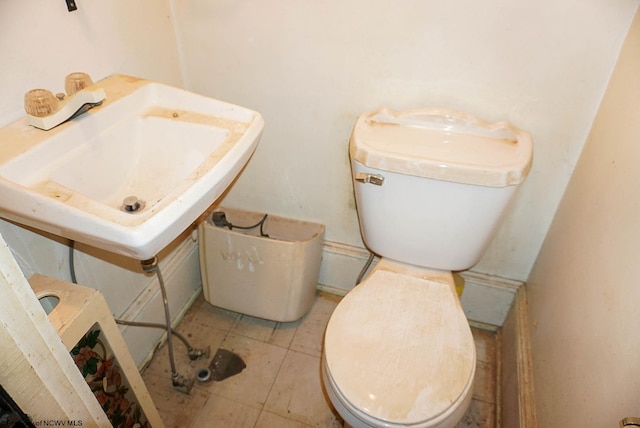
{"x": 270, "y": 277}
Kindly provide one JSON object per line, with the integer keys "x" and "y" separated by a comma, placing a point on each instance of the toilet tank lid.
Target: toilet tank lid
{"x": 444, "y": 145}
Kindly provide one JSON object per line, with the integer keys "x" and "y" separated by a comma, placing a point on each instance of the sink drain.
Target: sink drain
{"x": 132, "y": 204}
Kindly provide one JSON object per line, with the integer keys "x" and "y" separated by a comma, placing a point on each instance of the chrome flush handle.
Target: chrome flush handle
{"x": 376, "y": 179}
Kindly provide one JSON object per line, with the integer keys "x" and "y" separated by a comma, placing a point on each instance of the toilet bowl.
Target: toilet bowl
{"x": 431, "y": 189}
{"x": 398, "y": 351}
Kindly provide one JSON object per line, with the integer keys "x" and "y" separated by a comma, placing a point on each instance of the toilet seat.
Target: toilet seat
{"x": 399, "y": 350}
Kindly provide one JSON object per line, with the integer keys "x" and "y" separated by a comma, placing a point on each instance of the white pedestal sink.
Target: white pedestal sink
{"x": 173, "y": 151}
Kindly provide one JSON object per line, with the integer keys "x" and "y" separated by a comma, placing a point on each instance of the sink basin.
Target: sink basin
{"x": 130, "y": 175}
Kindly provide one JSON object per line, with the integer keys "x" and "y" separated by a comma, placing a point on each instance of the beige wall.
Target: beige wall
{"x": 584, "y": 290}
{"x": 310, "y": 67}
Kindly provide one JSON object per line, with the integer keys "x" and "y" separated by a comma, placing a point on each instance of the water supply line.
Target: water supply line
{"x": 179, "y": 382}
{"x": 365, "y": 268}
{"x": 219, "y": 218}
{"x": 193, "y": 353}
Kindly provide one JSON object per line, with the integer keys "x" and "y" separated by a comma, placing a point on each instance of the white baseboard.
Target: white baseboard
{"x": 486, "y": 299}
{"x": 516, "y": 405}
{"x": 340, "y": 267}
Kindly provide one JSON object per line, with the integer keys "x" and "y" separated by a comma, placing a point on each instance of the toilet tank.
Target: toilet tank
{"x": 432, "y": 185}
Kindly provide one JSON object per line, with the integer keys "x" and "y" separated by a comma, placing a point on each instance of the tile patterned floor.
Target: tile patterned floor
{"x": 281, "y": 385}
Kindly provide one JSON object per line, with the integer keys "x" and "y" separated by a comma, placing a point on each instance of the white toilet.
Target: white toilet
{"x": 431, "y": 188}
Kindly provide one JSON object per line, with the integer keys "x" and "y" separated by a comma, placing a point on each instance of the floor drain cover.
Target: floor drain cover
{"x": 225, "y": 364}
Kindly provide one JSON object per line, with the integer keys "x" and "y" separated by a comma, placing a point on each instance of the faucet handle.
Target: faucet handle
{"x": 40, "y": 102}
{"x": 77, "y": 81}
